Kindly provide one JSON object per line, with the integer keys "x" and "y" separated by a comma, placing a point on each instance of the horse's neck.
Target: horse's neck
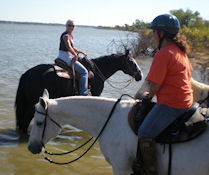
{"x": 108, "y": 65}
{"x": 197, "y": 84}
{"x": 200, "y": 90}
{"x": 88, "y": 114}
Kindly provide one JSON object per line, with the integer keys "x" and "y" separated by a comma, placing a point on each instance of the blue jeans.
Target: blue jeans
{"x": 83, "y": 82}
{"x": 158, "y": 119}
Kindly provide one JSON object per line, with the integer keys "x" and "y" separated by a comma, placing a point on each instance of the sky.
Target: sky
{"x": 95, "y": 12}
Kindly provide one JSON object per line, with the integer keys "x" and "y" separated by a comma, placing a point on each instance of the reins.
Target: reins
{"x": 101, "y": 75}
{"x": 87, "y": 150}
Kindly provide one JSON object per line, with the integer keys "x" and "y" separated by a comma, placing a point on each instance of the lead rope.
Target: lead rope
{"x": 68, "y": 152}
{"x": 101, "y": 75}
{"x": 65, "y": 163}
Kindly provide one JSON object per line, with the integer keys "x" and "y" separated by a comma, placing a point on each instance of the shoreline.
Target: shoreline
{"x": 42, "y": 24}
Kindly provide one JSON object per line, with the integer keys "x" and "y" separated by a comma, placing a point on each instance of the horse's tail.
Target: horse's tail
{"x": 20, "y": 101}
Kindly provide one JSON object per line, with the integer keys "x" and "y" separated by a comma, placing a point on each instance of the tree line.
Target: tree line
{"x": 193, "y": 26}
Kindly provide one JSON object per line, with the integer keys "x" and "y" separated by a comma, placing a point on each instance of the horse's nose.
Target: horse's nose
{"x": 35, "y": 148}
{"x": 138, "y": 76}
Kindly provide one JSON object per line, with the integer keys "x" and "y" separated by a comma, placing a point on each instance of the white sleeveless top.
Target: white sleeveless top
{"x": 65, "y": 56}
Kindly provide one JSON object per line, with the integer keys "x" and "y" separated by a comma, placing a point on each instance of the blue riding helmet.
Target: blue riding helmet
{"x": 166, "y": 22}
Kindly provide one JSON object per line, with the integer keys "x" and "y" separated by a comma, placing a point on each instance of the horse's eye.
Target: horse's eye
{"x": 39, "y": 123}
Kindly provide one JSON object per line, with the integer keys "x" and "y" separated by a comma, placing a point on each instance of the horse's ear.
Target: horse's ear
{"x": 45, "y": 94}
{"x": 43, "y": 102}
{"x": 127, "y": 52}
{"x": 43, "y": 99}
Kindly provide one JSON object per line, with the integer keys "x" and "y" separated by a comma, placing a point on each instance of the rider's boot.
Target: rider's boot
{"x": 148, "y": 155}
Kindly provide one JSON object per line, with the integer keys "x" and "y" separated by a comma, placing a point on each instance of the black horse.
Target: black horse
{"x": 35, "y": 80}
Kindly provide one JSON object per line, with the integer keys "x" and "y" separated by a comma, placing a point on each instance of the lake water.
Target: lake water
{"x": 24, "y": 46}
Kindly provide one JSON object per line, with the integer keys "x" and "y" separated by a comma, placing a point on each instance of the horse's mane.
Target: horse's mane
{"x": 108, "y": 56}
{"x": 93, "y": 98}
{"x": 105, "y": 59}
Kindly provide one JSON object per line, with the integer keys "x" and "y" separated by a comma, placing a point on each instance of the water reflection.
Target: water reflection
{"x": 15, "y": 158}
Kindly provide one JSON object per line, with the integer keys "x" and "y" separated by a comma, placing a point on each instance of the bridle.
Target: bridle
{"x": 53, "y": 121}
{"x": 58, "y": 125}
{"x": 103, "y": 78}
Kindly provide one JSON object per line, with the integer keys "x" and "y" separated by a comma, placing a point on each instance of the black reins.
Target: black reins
{"x": 103, "y": 78}
{"x": 100, "y": 133}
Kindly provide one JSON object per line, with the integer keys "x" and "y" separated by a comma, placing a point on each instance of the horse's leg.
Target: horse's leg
{"x": 117, "y": 155}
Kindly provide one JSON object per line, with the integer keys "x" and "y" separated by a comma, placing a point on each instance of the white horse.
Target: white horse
{"x": 200, "y": 90}
{"x": 118, "y": 143}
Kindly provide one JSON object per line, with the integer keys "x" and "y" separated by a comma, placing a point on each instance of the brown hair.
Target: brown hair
{"x": 181, "y": 41}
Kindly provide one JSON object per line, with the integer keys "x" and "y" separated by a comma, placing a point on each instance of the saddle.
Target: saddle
{"x": 64, "y": 71}
{"x": 186, "y": 127}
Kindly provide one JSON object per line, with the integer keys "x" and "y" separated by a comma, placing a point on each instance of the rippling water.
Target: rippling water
{"x": 24, "y": 46}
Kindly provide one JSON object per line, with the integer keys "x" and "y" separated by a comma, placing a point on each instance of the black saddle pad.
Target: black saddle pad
{"x": 187, "y": 127}
{"x": 174, "y": 134}
{"x": 178, "y": 131}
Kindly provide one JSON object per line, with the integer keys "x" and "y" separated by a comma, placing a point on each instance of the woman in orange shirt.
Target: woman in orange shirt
{"x": 169, "y": 77}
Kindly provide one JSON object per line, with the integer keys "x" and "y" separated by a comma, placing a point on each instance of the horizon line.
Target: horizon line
{"x": 41, "y": 23}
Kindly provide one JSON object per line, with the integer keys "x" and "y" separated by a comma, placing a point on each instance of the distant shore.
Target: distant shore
{"x": 39, "y": 23}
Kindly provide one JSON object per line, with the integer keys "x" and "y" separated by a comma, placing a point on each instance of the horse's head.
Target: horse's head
{"x": 44, "y": 127}
{"x": 131, "y": 67}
